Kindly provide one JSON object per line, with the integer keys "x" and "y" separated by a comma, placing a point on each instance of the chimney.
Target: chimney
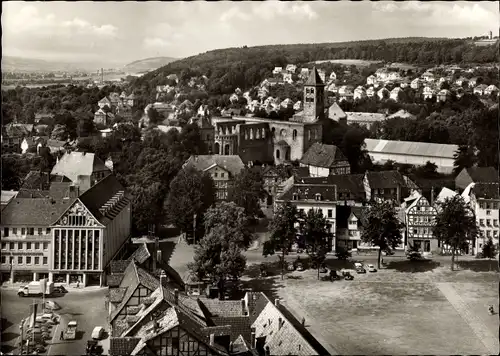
{"x": 163, "y": 278}
{"x": 212, "y": 339}
{"x": 176, "y": 296}
{"x": 243, "y": 307}
{"x": 158, "y": 255}
{"x": 277, "y": 302}
{"x": 268, "y": 351}
{"x": 280, "y": 323}
{"x": 253, "y": 339}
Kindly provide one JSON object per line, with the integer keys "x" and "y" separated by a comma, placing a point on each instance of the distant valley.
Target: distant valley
{"x": 148, "y": 64}
{"x": 22, "y": 64}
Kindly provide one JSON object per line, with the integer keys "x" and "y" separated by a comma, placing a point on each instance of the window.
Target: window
{"x": 4, "y": 245}
{"x": 330, "y": 213}
{"x": 216, "y": 174}
{"x": 23, "y": 231}
{"x": 481, "y": 205}
{"x": 222, "y": 175}
{"x": 37, "y": 260}
{"x": 494, "y": 205}
{"x": 28, "y": 245}
{"x": 19, "y": 245}
{"x": 14, "y": 231}
{"x": 11, "y": 246}
{"x": 481, "y": 222}
{"x": 295, "y": 196}
{"x": 4, "y": 259}
{"x": 6, "y": 231}
{"x": 47, "y": 231}
{"x": 277, "y": 156}
{"x": 488, "y": 222}
{"x": 45, "y": 246}
{"x": 294, "y": 135}
{"x": 31, "y": 231}
{"x": 28, "y": 260}
{"x": 487, "y": 205}
{"x": 318, "y": 196}
{"x": 19, "y": 260}
{"x": 488, "y": 233}
{"x": 495, "y": 233}
{"x": 40, "y": 231}
{"x": 488, "y": 212}
{"x": 37, "y": 245}
{"x": 45, "y": 260}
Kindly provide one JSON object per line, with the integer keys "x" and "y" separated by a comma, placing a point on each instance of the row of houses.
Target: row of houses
{"x": 154, "y": 310}
{"x": 112, "y": 105}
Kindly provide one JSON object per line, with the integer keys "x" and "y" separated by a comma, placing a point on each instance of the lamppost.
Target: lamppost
{"x": 22, "y": 335}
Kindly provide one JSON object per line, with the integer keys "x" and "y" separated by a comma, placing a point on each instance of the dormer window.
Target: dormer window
{"x": 318, "y": 196}
{"x": 295, "y": 196}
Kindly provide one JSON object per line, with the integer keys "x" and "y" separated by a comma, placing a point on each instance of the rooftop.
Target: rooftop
{"x": 321, "y": 155}
{"x": 233, "y": 164}
{"x": 76, "y": 164}
{"x": 425, "y": 149}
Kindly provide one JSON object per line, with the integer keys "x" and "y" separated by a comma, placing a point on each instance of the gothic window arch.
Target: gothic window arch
{"x": 251, "y": 134}
{"x": 273, "y": 132}
{"x": 294, "y": 135}
{"x": 257, "y": 134}
{"x": 278, "y": 154}
{"x": 226, "y": 150}
{"x": 217, "y": 148}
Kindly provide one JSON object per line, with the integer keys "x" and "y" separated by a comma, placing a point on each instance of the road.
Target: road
{"x": 84, "y": 306}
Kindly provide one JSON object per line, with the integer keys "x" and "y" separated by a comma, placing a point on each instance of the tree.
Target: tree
{"x": 85, "y": 127}
{"x": 489, "y": 249}
{"x": 60, "y": 132}
{"x": 247, "y": 191}
{"x": 191, "y": 193}
{"x": 383, "y": 228}
{"x": 234, "y": 219}
{"x": 283, "y": 233}
{"x": 455, "y": 224}
{"x": 464, "y": 158}
{"x": 146, "y": 205}
{"x": 316, "y": 235}
{"x": 342, "y": 253}
{"x": 429, "y": 170}
{"x": 154, "y": 116}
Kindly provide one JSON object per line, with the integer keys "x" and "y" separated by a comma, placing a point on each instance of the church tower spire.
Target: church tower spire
{"x": 314, "y": 98}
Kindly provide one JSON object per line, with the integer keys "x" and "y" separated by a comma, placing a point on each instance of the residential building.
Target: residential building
{"x": 13, "y": 135}
{"x": 222, "y": 169}
{"x": 428, "y": 93}
{"x": 387, "y": 186}
{"x": 104, "y": 102}
{"x": 443, "y": 95}
{"x": 233, "y": 98}
{"x": 416, "y": 84}
{"x": 350, "y": 223}
{"x": 383, "y": 93}
{"x": 414, "y": 153}
{"x": 491, "y": 89}
{"x": 370, "y": 92}
{"x": 322, "y": 75}
{"x": 359, "y": 93}
{"x": 318, "y": 197}
{"x": 287, "y": 78}
{"x": 332, "y": 87}
{"x": 304, "y": 72}
{"x": 476, "y": 175}
{"x": 480, "y": 89}
{"x": 371, "y": 80}
{"x": 84, "y": 169}
{"x": 428, "y": 77}
{"x": 402, "y": 114}
{"x": 420, "y": 218}
{"x": 405, "y": 83}
{"x": 324, "y": 160}
{"x": 396, "y": 93}
{"x": 149, "y": 316}
{"x": 366, "y": 119}
{"x": 473, "y": 82}
{"x": 277, "y": 70}
{"x": 460, "y": 81}
{"x": 291, "y": 68}
{"x": 485, "y": 202}
{"x": 333, "y": 76}
{"x": 337, "y": 114}
{"x": 65, "y": 233}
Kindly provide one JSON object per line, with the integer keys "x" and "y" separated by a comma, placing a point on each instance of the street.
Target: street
{"x": 84, "y": 306}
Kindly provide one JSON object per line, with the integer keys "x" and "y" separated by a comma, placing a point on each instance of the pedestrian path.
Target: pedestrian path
{"x": 478, "y": 327}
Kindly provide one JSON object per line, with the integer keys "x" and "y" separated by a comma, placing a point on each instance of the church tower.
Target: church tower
{"x": 314, "y": 98}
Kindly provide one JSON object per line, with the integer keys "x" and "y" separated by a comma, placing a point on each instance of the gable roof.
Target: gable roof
{"x": 328, "y": 192}
{"x": 336, "y": 111}
{"x": 344, "y": 212}
{"x": 365, "y": 116}
{"x": 314, "y": 78}
{"x": 233, "y": 164}
{"x": 345, "y": 183}
{"x": 486, "y": 190}
{"x": 321, "y": 155}
{"x": 120, "y": 346}
{"x": 483, "y": 174}
{"x": 425, "y": 149}
{"x": 37, "y": 212}
{"x": 74, "y": 164}
{"x": 385, "y": 179}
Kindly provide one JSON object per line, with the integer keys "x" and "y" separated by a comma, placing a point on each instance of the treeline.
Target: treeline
{"x": 227, "y": 69}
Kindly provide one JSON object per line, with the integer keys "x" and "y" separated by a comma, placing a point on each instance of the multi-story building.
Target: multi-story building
{"x": 222, "y": 169}
{"x": 420, "y": 218}
{"x": 318, "y": 197}
{"x": 350, "y": 223}
{"x": 324, "y": 160}
{"x": 485, "y": 201}
{"x": 65, "y": 234}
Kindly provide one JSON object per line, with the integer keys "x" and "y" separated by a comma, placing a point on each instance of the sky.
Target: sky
{"x": 121, "y": 32}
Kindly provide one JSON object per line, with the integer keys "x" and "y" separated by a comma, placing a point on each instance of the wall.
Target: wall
{"x": 486, "y": 210}
{"x": 222, "y": 180}
{"x": 116, "y": 233}
{"x": 317, "y": 171}
{"x": 19, "y": 246}
{"x": 445, "y": 165}
{"x": 254, "y": 142}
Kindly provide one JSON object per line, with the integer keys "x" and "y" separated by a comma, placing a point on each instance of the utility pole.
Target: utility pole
{"x": 22, "y": 335}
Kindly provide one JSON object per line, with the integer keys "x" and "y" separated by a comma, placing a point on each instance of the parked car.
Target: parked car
{"x": 290, "y": 267}
{"x": 97, "y": 333}
{"x": 60, "y": 289}
{"x": 263, "y": 272}
{"x": 371, "y": 268}
{"x": 51, "y": 305}
{"x": 360, "y": 269}
{"x": 323, "y": 269}
{"x": 300, "y": 267}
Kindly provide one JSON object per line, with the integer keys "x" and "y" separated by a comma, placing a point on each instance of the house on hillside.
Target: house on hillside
{"x": 443, "y": 95}
{"x": 474, "y": 81}
{"x": 222, "y": 169}
{"x": 359, "y": 93}
{"x": 416, "y": 84}
{"x": 291, "y": 68}
{"x": 428, "y": 77}
{"x": 491, "y": 89}
{"x": 371, "y": 79}
{"x": 480, "y": 89}
{"x": 333, "y": 76}
{"x": 396, "y": 93}
{"x": 428, "y": 93}
{"x": 277, "y": 70}
{"x": 461, "y": 81}
{"x": 370, "y": 92}
{"x": 383, "y": 93}
{"x": 324, "y": 160}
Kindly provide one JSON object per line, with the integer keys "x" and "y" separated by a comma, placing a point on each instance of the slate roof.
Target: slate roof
{"x": 343, "y": 213}
{"x": 346, "y": 183}
{"x": 314, "y": 78}
{"x": 365, "y": 116}
{"x": 114, "y": 280}
{"x": 34, "y": 211}
{"x": 328, "y": 192}
{"x": 486, "y": 190}
{"x": 100, "y": 194}
{"x": 223, "y": 308}
{"x": 321, "y": 155}
{"x": 116, "y": 294}
{"x": 141, "y": 254}
{"x": 233, "y": 164}
{"x": 240, "y": 326}
{"x": 74, "y": 164}
{"x": 483, "y": 174}
{"x": 120, "y": 346}
{"x": 119, "y": 266}
{"x": 424, "y": 149}
{"x": 7, "y": 195}
{"x": 385, "y": 179}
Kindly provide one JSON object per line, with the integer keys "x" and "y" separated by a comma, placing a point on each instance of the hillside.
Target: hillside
{"x": 148, "y": 64}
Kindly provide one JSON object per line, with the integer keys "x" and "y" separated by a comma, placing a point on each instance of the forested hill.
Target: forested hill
{"x": 243, "y": 67}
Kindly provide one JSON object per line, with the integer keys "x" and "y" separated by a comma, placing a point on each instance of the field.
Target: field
{"x": 392, "y": 312}
{"x": 349, "y": 62}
